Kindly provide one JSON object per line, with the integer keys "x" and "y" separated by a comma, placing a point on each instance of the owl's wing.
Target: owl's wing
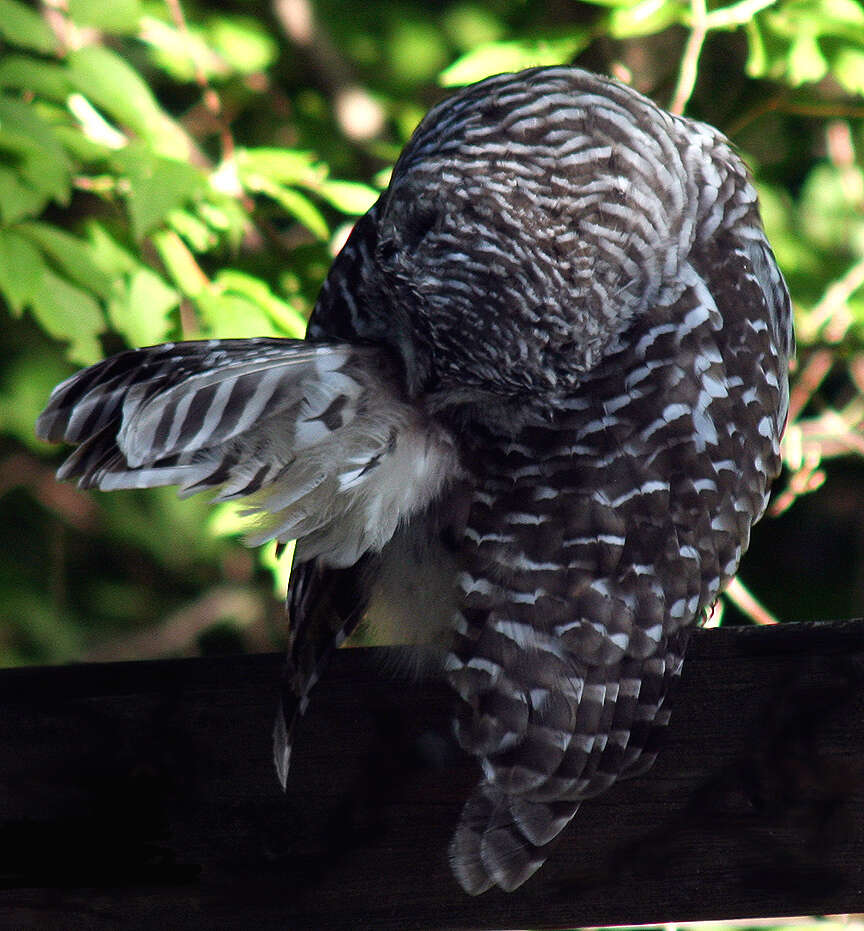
{"x": 317, "y": 439}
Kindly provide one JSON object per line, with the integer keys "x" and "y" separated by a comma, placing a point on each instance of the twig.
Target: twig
{"x": 782, "y": 104}
{"x": 211, "y": 99}
{"x": 808, "y": 382}
{"x": 747, "y": 604}
{"x": 177, "y": 634}
{"x": 690, "y": 58}
{"x": 833, "y": 301}
{"x": 804, "y": 480}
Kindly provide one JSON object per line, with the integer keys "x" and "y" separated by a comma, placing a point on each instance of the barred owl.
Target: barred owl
{"x": 538, "y": 409}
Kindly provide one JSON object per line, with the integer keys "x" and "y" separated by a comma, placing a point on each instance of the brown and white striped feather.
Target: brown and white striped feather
{"x": 316, "y": 439}
{"x": 591, "y": 546}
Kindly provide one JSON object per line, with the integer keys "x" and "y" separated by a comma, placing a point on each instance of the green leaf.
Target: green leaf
{"x": 111, "y": 257}
{"x": 159, "y": 524}
{"x": 830, "y": 217}
{"x": 141, "y": 315}
{"x": 848, "y": 68}
{"x": 37, "y": 77}
{"x": 226, "y": 216}
{"x": 28, "y": 142}
{"x": 118, "y": 16}
{"x": 416, "y": 50}
{"x": 180, "y": 263}
{"x": 645, "y": 18}
{"x": 469, "y": 26}
{"x": 69, "y": 314}
{"x": 197, "y": 233}
{"x": 496, "y": 57}
{"x": 794, "y": 252}
{"x": 757, "y": 56}
{"x": 806, "y": 63}
{"x": 82, "y": 148}
{"x": 111, "y": 83}
{"x": 178, "y": 54}
{"x": 27, "y": 382}
{"x": 226, "y": 316}
{"x": 738, "y": 14}
{"x": 288, "y": 320}
{"x": 300, "y": 207}
{"x": 279, "y": 566}
{"x": 232, "y": 518}
{"x": 284, "y": 166}
{"x": 243, "y": 42}
{"x": 21, "y": 270}
{"x": 156, "y": 187}
{"x": 616, "y": 4}
{"x": 74, "y": 256}
{"x": 17, "y": 198}
{"x": 20, "y": 25}
{"x": 348, "y": 196}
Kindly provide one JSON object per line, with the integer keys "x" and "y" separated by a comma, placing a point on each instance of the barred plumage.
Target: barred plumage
{"x": 538, "y": 409}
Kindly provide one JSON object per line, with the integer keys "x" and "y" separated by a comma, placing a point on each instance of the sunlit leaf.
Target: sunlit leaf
{"x": 37, "y": 155}
{"x": 140, "y": 314}
{"x": 830, "y": 216}
{"x": 644, "y": 18}
{"x": 757, "y": 58}
{"x": 180, "y": 54}
{"x": 21, "y": 269}
{"x": 285, "y": 166}
{"x": 496, "y": 57}
{"x": 848, "y": 68}
{"x": 21, "y": 25}
{"x": 180, "y": 263}
{"x": 472, "y": 24}
{"x": 416, "y": 50}
{"x": 243, "y": 42}
{"x": 118, "y": 16}
{"x": 795, "y": 253}
{"x": 295, "y": 203}
{"x": 80, "y": 146}
{"x": 226, "y": 316}
{"x": 280, "y": 566}
{"x": 17, "y": 198}
{"x": 38, "y": 77}
{"x": 69, "y": 314}
{"x": 288, "y": 320}
{"x": 156, "y": 186}
{"x": 806, "y": 61}
{"x": 348, "y": 196}
{"x": 112, "y": 84}
{"x": 74, "y": 256}
{"x": 107, "y": 253}
{"x": 197, "y": 233}
{"x": 232, "y": 518}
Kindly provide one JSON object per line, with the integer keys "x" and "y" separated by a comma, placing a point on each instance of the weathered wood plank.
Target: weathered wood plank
{"x": 142, "y": 795}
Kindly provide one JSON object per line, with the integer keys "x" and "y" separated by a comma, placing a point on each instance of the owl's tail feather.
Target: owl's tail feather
{"x": 325, "y": 605}
{"x": 317, "y": 439}
{"x": 504, "y": 836}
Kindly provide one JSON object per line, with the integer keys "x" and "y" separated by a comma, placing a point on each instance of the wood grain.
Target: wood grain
{"x": 142, "y": 795}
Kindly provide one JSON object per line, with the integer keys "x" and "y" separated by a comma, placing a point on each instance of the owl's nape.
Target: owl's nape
{"x": 537, "y": 412}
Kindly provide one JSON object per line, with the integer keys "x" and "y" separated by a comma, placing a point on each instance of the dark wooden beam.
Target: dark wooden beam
{"x": 142, "y": 795}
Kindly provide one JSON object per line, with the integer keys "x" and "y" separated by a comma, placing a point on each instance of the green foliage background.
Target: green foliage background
{"x": 179, "y": 170}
